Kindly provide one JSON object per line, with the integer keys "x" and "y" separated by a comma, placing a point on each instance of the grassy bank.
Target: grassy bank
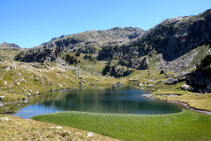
{"x": 186, "y": 125}
{"x": 26, "y": 129}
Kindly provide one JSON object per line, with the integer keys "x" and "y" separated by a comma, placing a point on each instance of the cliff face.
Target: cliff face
{"x": 200, "y": 79}
{"x": 176, "y": 37}
{"x": 171, "y": 40}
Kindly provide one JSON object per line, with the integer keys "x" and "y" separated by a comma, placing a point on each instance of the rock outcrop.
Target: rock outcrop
{"x": 200, "y": 79}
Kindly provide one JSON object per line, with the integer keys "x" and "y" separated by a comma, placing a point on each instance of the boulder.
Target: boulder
{"x": 144, "y": 63}
{"x": 90, "y": 134}
{"x": 150, "y": 85}
{"x": 4, "y": 119}
{"x": 171, "y": 81}
{"x": 5, "y": 82}
{"x": 182, "y": 79}
{"x": 185, "y": 87}
{"x": 60, "y": 85}
{"x": 17, "y": 83}
{"x": 59, "y": 127}
{"x": 119, "y": 83}
{"x": 24, "y": 99}
{"x": 162, "y": 71}
{"x": 140, "y": 84}
{"x": 1, "y": 98}
{"x": 28, "y": 94}
{"x": 36, "y": 79}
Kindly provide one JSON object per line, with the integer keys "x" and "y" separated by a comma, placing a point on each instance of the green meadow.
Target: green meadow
{"x": 186, "y": 125}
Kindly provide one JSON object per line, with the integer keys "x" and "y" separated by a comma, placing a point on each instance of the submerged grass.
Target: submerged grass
{"x": 186, "y": 125}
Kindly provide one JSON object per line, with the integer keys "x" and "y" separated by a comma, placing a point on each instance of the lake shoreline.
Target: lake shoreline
{"x": 183, "y": 104}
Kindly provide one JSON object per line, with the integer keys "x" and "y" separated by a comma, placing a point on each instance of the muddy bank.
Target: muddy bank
{"x": 183, "y": 104}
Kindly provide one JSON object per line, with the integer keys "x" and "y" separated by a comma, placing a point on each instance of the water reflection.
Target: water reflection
{"x": 100, "y": 100}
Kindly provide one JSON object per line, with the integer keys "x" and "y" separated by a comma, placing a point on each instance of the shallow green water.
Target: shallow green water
{"x": 100, "y": 100}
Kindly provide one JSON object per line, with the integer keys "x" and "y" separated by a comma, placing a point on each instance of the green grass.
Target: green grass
{"x": 186, "y": 125}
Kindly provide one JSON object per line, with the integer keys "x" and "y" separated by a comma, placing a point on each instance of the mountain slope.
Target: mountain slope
{"x": 89, "y": 42}
{"x": 166, "y": 45}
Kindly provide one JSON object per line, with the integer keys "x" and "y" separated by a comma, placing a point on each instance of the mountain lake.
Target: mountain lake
{"x": 124, "y": 100}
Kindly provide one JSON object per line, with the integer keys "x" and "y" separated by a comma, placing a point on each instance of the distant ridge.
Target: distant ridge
{"x": 5, "y": 45}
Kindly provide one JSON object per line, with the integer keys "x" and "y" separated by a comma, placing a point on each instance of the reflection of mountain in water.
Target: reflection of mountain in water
{"x": 105, "y": 101}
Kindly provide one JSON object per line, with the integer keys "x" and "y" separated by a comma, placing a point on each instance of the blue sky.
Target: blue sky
{"x": 29, "y": 23}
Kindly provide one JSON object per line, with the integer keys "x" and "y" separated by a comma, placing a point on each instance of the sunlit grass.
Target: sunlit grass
{"x": 186, "y": 125}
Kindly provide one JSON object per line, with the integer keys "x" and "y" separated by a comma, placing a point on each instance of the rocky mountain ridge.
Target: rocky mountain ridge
{"x": 5, "y": 45}
{"x": 165, "y": 46}
{"x": 170, "y": 41}
{"x": 89, "y": 42}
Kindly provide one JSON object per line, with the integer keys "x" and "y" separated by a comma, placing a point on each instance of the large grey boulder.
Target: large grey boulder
{"x": 185, "y": 87}
{"x": 171, "y": 81}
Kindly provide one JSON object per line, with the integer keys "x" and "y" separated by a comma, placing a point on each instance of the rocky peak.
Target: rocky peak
{"x": 5, "y": 45}
{"x": 176, "y": 37}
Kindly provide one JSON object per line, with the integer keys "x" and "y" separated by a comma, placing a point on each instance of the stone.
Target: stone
{"x": 90, "y": 134}
{"x": 4, "y": 119}
{"x": 58, "y": 127}
{"x": 17, "y": 83}
{"x": 36, "y": 79}
{"x": 1, "y": 104}
{"x": 185, "y": 87}
{"x": 140, "y": 84}
{"x": 162, "y": 71}
{"x": 28, "y": 94}
{"x": 60, "y": 85}
{"x": 84, "y": 81}
{"x": 24, "y": 99}
{"x": 171, "y": 81}
{"x": 119, "y": 83}
{"x": 1, "y": 98}
{"x": 182, "y": 79}
{"x": 144, "y": 63}
{"x": 5, "y": 82}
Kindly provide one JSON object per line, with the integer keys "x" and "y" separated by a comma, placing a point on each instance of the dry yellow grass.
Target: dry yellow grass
{"x": 198, "y": 101}
{"x": 26, "y": 129}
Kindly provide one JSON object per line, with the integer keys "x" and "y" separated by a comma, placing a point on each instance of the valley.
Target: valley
{"x": 171, "y": 61}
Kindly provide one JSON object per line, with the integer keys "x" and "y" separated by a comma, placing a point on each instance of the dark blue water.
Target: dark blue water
{"x": 98, "y": 100}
